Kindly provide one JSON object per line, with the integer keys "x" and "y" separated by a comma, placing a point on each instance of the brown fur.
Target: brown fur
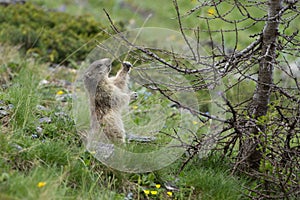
{"x": 109, "y": 96}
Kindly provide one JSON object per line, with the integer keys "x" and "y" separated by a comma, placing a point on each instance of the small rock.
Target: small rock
{"x": 10, "y": 106}
{"x": 39, "y": 129}
{"x": 3, "y": 113}
{"x": 60, "y": 114}
{"x": 34, "y": 136}
{"x": 43, "y": 82}
{"x": 45, "y": 120}
{"x": 7, "y": 2}
{"x": 171, "y": 186}
{"x": 138, "y": 138}
{"x": 42, "y": 108}
{"x": 129, "y": 196}
{"x": 18, "y": 147}
{"x": 63, "y": 97}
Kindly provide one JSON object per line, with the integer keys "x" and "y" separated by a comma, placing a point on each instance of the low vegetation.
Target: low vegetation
{"x": 44, "y": 156}
{"x": 51, "y": 36}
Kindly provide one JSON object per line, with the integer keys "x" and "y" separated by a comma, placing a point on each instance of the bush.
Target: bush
{"x": 52, "y": 36}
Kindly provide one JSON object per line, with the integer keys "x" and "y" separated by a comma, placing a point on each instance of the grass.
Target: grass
{"x": 58, "y": 158}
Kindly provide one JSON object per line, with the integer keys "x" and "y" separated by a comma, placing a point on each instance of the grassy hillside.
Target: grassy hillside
{"x": 42, "y": 156}
{"x": 53, "y": 36}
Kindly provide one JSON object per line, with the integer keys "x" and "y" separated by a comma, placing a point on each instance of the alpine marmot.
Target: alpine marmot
{"x": 109, "y": 96}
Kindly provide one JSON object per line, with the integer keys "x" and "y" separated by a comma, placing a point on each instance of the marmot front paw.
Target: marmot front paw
{"x": 127, "y": 65}
{"x": 133, "y": 96}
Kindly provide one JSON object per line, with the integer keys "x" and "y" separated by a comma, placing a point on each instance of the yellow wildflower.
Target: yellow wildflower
{"x": 51, "y": 56}
{"x": 153, "y": 192}
{"x": 134, "y": 107}
{"x": 157, "y": 186}
{"x": 146, "y": 192}
{"x": 60, "y": 92}
{"x": 211, "y": 11}
{"x": 169, "y": 193}
{"x": 41, "y": 184}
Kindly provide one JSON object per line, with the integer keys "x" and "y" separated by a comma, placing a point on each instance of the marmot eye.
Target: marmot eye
{"x": 88, "y": 74}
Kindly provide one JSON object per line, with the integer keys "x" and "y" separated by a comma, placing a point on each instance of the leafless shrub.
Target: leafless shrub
{"x": 261, "y": 78}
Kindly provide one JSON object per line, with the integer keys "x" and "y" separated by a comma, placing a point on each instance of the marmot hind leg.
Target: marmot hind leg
{"x": 113, "y": 128}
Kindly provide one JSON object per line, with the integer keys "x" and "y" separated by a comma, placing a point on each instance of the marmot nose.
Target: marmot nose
{"x": 127, "y": 65}
{"x": 106, "y": 61}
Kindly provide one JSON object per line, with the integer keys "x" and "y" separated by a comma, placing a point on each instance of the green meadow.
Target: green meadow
{"x": 42, "y": 153}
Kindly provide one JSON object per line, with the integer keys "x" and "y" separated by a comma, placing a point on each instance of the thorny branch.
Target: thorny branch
{"x": 277, "y": 132}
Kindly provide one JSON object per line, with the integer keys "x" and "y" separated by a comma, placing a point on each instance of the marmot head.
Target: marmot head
{"x": 97, "y": 72}
{"x": 98, "y": 69}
